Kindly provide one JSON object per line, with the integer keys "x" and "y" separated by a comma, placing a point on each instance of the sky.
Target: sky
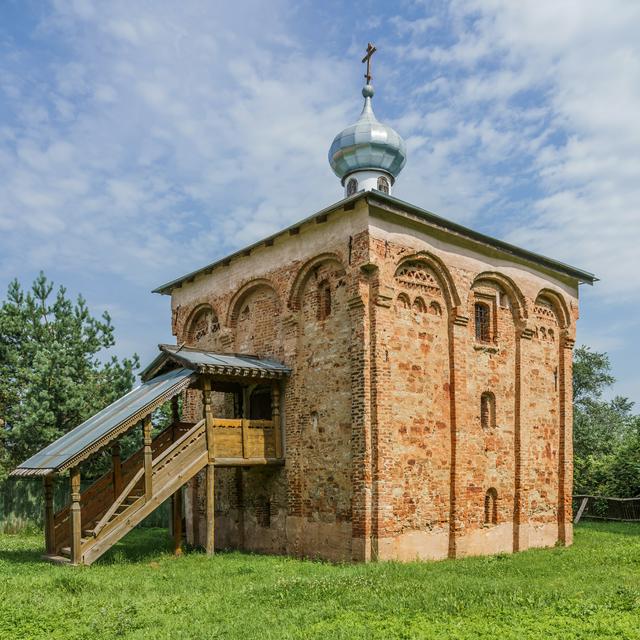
{"x": 141, "y": 140}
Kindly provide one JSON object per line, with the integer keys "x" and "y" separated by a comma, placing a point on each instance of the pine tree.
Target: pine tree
{"x": 52, "y": 375}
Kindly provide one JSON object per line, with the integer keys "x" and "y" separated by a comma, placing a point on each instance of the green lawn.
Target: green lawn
{"x": 591, "y": 590}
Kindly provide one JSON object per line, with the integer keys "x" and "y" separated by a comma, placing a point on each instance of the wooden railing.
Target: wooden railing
{"x": 97, "y": 498}
{"x": 175, "y": 466}
{"x": 243, "y": 438}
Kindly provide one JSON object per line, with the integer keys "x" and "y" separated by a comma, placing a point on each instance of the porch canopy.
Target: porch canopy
{"x": 172, "y": 371}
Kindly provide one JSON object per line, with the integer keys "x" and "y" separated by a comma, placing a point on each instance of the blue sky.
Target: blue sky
{"x": 140, "y": 140}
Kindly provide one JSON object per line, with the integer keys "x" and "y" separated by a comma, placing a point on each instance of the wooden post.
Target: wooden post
{"x": 176, "y": 504}
{"x": 116, "y": 465}
{"x": 148, "y": 462}
{"x": 275, "y": 417}
{"x": 583, "y": 505}
{"x": 210, "y": 480}
{"x": 176, "y": 509}
{"x": 246, "y": 399}
{"x": 76, "y": 518}
{"x": 49, "y": 529}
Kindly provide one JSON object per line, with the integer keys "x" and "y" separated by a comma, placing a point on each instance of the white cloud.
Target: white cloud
{"x": 150, "y": 122}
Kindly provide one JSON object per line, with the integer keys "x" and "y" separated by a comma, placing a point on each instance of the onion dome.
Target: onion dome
{"x": 368, "y": 151}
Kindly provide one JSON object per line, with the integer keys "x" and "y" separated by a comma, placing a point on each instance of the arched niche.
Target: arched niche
{"x": 309, "y": 270}
{"x": 426, "y": 272}
{"x": 236, "y": 306}
{"x": 550, "y": 302}
{"x": 201, "y": 324}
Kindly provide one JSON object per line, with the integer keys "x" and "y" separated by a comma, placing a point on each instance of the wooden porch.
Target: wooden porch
{"x": 96, "y": 518}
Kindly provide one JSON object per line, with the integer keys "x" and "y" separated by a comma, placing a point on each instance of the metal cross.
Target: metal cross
{"x": 370, "y": 51}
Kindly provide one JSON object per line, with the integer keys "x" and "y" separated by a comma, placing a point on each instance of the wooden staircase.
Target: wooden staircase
{"x": 176, "y": 463}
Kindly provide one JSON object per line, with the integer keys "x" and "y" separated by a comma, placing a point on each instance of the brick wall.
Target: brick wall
{"x": 386, "y": 453}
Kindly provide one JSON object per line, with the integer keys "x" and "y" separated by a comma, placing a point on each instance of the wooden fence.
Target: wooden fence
{"x": 606, "y": 508}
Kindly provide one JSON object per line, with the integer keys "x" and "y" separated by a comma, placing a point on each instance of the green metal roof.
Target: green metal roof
{"x": 98, "y": 431}
{"x": 388, "y": 201}
{"x": 224, "y": 364}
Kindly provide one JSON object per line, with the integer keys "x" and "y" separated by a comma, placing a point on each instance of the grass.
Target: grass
{"x": 138, "y": 590}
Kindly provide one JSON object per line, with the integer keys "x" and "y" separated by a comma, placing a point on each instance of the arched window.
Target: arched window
{"x": 324, "y": 300}
{"x": 488, "y": 410}
{"x": 352, "y": 186}
{"x": 491, "y": 507}
{"x": 383, "y": 184}
{"x": 483, "y": 321}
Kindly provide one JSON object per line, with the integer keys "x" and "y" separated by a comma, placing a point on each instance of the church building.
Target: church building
{"x": 374, "y": 382}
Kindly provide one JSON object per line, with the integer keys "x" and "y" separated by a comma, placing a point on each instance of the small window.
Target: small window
{"x": 383, "y": 184}
{"x": 324, "y": 300}
{"x": 352, "y": 186}
{"x": 483, "y": 322}
{"x": 491, "y": 507}
{"x": 488, "y": 410}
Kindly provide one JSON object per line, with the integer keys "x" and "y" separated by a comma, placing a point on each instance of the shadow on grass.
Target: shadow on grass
{"x": 139, "y": 545}
{"x": 22, "y": 556}
{"x": 618, "y": 528}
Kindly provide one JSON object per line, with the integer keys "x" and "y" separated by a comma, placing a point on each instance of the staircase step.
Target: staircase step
{"x": 56, "y": 559}
{"x": 66, "y": 551}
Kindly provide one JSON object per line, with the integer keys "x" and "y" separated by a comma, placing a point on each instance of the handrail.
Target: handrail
{"x": 119, "y": 500}
{"x": 99, "y": 485}
{"x": 177, "y": 443}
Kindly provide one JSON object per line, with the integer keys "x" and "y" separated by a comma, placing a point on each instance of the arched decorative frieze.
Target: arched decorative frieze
{"x": 419, "y": 305}
{"x": 305, "y": 272}
{"x": 551, "y": 305}
{"x": 435, "y": 309}
{"x": 236, "y": 305}
{"x": 201, "y": 323}
{"x": 403, "y": 302}
{"x": 425, "y": 271}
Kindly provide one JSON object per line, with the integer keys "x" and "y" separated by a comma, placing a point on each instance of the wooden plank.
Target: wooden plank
{"x": 583, "y": 506}
{"x": 148, "y": 458}
{"x": 116, "y": 465}
{"x": 245, "y": 419}
{"x": 275, "y": 416}
{"x": 49, "y": 525}
{"x": 76, "y": 518}
{"x": 210, "y": 490}
{"x": 247, "y": 462}
{"x": 177, "y": 522}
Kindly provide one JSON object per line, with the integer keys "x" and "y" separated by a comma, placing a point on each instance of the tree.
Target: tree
{"x": 51, "y": 375}
{"x": 606, "y": 434}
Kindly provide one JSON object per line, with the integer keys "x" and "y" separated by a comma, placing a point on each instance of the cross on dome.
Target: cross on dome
{"x": 368, "y": 154}
{"x": 370, "y": 51}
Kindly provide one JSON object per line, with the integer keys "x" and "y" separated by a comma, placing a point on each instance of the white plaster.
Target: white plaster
{"x": 367, "y": 180}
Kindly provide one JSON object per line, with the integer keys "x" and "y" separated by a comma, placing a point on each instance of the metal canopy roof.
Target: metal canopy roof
{"x": 91, "y": 436}
{"x": 225, "y": 364}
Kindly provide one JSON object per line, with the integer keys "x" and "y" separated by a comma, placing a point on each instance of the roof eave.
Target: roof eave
{"x": 583, "y": 277}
